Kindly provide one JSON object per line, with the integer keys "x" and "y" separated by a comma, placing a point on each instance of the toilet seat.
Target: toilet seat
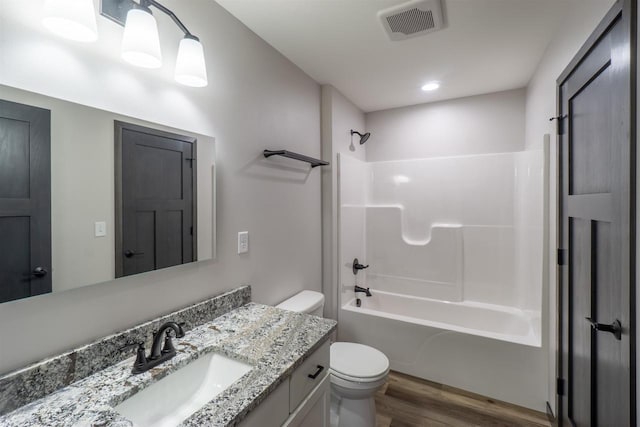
{"x": 349, "y": 378}
{"x": 358, "y": 363}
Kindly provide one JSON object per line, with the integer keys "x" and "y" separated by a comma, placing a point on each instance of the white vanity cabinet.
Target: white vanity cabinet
{"x": 303, "y": 399}
{"x": 314, "y": 410}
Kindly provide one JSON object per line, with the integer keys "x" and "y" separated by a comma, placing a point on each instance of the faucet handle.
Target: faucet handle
{"x": 168, "y": 344}
{"x": 141, "y": 358}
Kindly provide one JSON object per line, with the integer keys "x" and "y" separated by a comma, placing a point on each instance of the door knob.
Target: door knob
{"x": 39, "y": 272}
{"x": 130, "y": 254}
{"x": 615, "y": 328}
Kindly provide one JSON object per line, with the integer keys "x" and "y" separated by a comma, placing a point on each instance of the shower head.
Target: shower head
{"x": 363, "y": 136}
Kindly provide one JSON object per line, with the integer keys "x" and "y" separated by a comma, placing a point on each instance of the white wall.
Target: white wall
{"x": 540, "y": 106}
{"x": 492, "y": 123}
{"x": 339, "y": 116}
{"x": 256, "y": 99}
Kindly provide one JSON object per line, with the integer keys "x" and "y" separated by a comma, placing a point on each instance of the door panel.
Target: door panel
{"x": 25, "y": 200}
{"x": 589, "y": 156}
{"x": 597, "y": 229}
{"x": 580, "y": 303}
{"x": 155, "y": 181}
{"x": 143, "y": 259}
{"x": 15, "y": 264}
{"x": 158, "y": 167}
{"x": 14, "y": 159}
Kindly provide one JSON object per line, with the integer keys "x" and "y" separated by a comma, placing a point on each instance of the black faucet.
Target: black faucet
{"x": 365, "y": 290}
{"x": 158, "y": 355}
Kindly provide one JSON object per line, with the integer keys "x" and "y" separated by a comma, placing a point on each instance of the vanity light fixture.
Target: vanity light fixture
{"x": 71, "y": 19}
{"x": 75, "y": 19}
{"x": 191, "y": 69}
{"x": 431, "y": 86}
{"x": 140, "y": 41}
{"x": 141, "y": 44}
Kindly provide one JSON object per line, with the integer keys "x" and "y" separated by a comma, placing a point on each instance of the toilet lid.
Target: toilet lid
{"x": 358, "y": 360}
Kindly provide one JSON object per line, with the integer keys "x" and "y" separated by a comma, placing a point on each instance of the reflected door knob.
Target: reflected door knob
{"x": 130, "y": 254}
{"x": 39, "y": 272}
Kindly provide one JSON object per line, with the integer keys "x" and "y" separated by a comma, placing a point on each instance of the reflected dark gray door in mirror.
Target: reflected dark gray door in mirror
{"x": 155, "y": 199}
{"x": 25, "y": 201}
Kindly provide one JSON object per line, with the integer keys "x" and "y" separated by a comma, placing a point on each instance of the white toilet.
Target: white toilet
{"x": 357, "y": 370}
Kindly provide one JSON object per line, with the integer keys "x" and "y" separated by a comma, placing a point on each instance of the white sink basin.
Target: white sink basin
{"x": 180, "y": 394}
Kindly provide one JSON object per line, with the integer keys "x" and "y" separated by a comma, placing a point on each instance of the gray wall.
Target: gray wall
{"x": 492, "y": 123}
{"x": 256, "y": 99}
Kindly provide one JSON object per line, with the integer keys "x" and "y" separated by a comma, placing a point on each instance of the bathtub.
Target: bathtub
{"x": 485, "y": 320}
{"x": 482, "y": 348}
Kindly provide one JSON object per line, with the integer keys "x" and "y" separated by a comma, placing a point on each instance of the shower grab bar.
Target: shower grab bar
{"x": 295, "y": 156}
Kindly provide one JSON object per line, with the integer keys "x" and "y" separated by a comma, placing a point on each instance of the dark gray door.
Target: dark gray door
{"x": 155, "y": 199}
{"x": 597, "y": 207}
{"x": 25, "y": 201}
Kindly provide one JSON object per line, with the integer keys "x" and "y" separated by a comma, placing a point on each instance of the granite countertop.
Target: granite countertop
{"x": 272, "y": 340}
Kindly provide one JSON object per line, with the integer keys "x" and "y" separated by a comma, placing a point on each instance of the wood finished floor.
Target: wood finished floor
{"x": 408, "y": 401}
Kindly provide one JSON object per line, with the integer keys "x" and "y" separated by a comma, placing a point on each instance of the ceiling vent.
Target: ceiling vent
{"x": 412, "y": 19}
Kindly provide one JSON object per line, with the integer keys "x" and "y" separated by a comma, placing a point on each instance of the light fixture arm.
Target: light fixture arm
{"x": 116, "y": 10}
{"x": 165, "y": 10}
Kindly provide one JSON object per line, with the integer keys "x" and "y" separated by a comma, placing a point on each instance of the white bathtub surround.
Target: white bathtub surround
{"x": 453, "y": 228}
{"x": 455, "y": 251}
{"x": 498, "y": 322}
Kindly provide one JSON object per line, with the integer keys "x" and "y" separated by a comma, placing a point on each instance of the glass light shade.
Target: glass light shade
{"x": 191, "y": 69}
{"x": 140, "y": 41}
{"x": 71, "y": 19}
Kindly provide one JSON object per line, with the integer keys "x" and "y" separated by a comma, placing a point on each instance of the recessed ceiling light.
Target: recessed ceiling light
{"x": 430, "y": 86}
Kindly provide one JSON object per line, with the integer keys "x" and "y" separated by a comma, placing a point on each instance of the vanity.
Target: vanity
{"x": 262, "y": 366}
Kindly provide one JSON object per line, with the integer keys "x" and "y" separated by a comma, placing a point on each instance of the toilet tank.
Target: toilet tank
{"x": 309, "y": 302}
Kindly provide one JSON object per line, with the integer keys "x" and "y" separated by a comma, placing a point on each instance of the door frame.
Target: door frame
{"x": 119, "y": 127}
{"x": 628, "y": 10}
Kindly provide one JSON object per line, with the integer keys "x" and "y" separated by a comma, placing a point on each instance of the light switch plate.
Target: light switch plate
{"x": 243, "y": 242}
{"x": 100, "y": 229}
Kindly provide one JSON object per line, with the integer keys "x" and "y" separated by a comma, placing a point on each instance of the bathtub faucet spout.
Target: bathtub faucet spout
{"x": 365, "y": 290}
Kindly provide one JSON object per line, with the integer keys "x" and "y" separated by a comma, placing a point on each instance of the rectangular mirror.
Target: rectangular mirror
{"x": 87, "y": 195}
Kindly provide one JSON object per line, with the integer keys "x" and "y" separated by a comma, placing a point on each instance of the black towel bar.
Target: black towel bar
{"x": 296, "y": 156}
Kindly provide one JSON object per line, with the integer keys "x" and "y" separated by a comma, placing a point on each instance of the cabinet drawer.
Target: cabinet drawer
{"x": 301, "y": 383}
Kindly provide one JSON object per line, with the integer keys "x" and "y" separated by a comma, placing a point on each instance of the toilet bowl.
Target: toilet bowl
{"x": 356, "y": 371}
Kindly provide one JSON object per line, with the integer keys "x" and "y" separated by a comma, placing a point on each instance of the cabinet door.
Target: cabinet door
{"x": 314, "y": 410}
{"x": 273, "y": 411}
